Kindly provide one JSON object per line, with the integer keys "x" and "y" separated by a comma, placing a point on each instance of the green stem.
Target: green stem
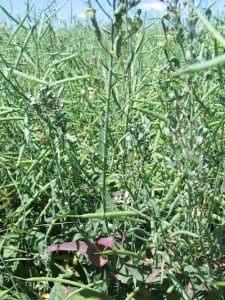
{"x": 105, "y": 139}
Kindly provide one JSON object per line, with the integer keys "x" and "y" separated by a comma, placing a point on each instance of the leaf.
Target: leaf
{"x": 110, "y": 204}
{"x": 80, "y": 246}
{"x": 87, "y": 249}
{"x": 153, "y": 275}
{"x": 128, "y": 273}
{"x": 122, "y": 277}
{"x": 135, "y": 273}
{"x": 106, "y": 242}
{"x": 190, "y": 290}
{"x": 21, "y": 296}
{"x": 96, "y": 260}
{"x": 60, "y": 291}
{"x": 57, "y": 292}
{"x": 88, "y": 294}
{"x": 9, "y": 252}
{"x": 178, "y": 286}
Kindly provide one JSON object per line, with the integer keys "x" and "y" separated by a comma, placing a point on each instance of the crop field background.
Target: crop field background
{"x": 112, "y": 154}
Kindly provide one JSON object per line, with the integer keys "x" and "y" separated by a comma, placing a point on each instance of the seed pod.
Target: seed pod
{"x": 120, "y": 10}
{"x": 97, "y": 32}
{"x": 117, "y": 46}
{"x": 118, "y": 14}
{"x": 91, "y": 12}
{"x": 133, "y": 3}
{"x": 208, "y": 13}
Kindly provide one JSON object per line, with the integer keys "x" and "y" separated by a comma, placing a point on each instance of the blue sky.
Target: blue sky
{"x": 17, "y": 7}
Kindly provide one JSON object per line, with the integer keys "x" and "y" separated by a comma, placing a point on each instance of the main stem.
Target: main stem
{"x": 105, "y": 153}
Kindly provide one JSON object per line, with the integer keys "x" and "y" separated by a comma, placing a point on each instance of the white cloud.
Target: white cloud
{"x": 155, "y": 5}
{"x": 81, "y": 15}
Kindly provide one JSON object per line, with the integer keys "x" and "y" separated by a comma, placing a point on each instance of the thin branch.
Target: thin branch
{"x": 103, "y": 10}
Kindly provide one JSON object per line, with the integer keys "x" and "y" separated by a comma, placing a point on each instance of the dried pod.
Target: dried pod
{"x": 90, "y": 12}
{"x": 136, "y": 25}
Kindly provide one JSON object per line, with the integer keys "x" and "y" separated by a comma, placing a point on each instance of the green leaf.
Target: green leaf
{"x": 59, "y": 291}
{"x": 110, "y": 205}
{"x": 4, "y": 293}
{"x": 56, "y": 292}
{"x": 87, "y": 294}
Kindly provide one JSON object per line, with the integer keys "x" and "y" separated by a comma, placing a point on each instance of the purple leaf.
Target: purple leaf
{"x": 153, "y": 275}
{"x": 95, "y": 259}
{"x": 81, "y": 246}
{"x": 86, "y": 248}
{"x": 106, "y": 242}
{"x": 48, "y": 219}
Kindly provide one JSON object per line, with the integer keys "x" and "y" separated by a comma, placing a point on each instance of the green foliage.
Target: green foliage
{"x": 104, "y": 139}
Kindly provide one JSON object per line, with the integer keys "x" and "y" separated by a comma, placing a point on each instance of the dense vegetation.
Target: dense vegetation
{"x": 113, "y": 149}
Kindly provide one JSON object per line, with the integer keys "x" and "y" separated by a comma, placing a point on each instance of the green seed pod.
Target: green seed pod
{"x": 120, "y": 10}
{"x": 133, "y": 3}
{"x": 97, "y": 32}
{"x": 117, "y": 46}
